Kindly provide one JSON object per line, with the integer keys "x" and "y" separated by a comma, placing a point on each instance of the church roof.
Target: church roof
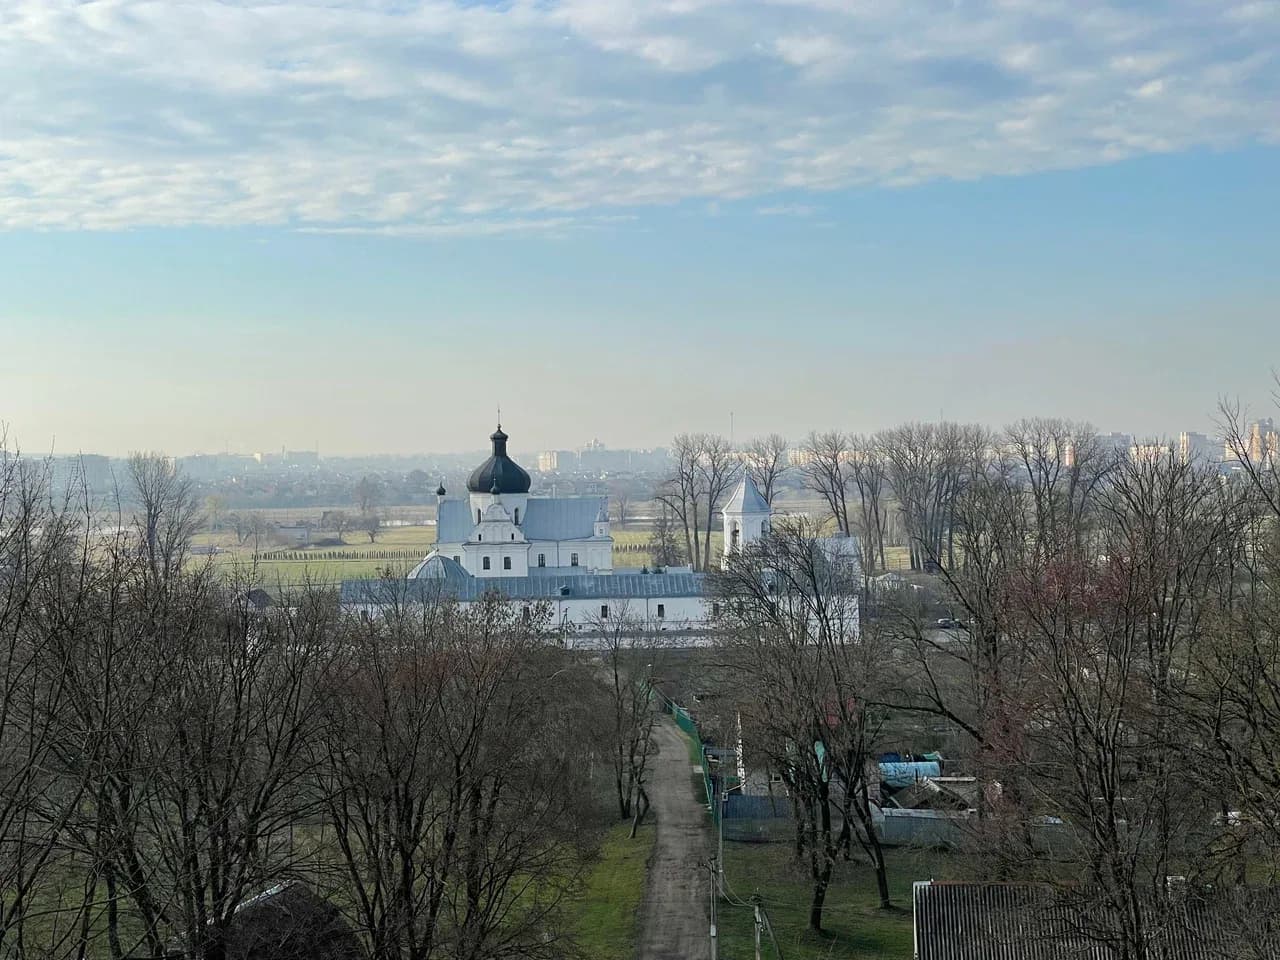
{"x": 746, "y": 499}
{"x": 438, "y": 567}
{"x": 621, "y": 586}
{"x": 498, "y": 474}
{"x": 543, "y": 518}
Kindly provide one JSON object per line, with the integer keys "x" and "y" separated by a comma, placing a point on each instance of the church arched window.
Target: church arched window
{"x": 733, "y": 537}
{"x": 517, "y": 518}
{"x": 477, "y": 514}
{"x": 485, "y": 563}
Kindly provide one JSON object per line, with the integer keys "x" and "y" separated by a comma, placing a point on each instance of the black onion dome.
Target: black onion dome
{"x": 498, "y": 474}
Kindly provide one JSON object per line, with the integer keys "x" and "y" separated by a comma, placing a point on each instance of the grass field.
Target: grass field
{"x": 855, "y": 928}
{"x": 608, "y": 910}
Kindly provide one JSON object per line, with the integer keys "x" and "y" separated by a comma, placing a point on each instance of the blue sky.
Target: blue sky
{"x": 366, "y": 224}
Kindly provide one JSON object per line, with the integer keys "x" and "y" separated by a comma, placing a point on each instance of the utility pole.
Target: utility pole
{"x": 758, "y": 925}
{"x": 714, "y": 942}
{"x": 724, "y": 802}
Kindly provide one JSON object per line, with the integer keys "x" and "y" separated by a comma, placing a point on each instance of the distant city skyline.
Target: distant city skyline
{"x": 365, "y": 223}
{"x": 534, "y": 455}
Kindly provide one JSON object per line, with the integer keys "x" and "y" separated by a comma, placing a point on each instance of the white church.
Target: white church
{"x": 558, "y": 551}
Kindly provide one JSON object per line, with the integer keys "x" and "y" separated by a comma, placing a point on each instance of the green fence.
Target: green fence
{"x": 712, "y": 783}
{"x": 762, "y": 819}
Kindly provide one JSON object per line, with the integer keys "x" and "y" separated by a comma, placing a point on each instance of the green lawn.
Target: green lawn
{"x": 609, "y": 907}
{"x": 855, "y": 928}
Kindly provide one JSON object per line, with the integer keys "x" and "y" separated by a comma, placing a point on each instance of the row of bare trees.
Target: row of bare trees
{"x": 803, "y": 690}
{"x": 1115, "y": 688}
{"x": 896, "y": 486}
{"x": 167, "y": 751}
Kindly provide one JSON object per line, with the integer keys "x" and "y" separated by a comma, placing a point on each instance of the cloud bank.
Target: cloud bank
{"x": 440, "y": 117}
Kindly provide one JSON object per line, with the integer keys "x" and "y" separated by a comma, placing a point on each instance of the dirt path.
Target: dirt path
{"x": 673, "y": 917}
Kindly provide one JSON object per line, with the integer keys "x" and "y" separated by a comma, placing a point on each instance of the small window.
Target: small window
{"x": 479, "y": 536}
{"x": 662, "y": 610}
{"x": 457, "y": 559}
{"x": 573, "y": 559}
{"x": 485, "y": 563}
{"x": 542, "y": 559}
{"x": 604, "y": 611}
{"x": 506, "y": 563}
{"x": 517, "y": 517}
{"x": 715, "y": 609}
{"x": 477, "y": 514}
{"x": 513, "y": 536}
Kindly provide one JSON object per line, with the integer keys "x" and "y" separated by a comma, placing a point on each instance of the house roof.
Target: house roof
{"x": 1013, "y": 921}
{"x": 627, "y": 586}
{"x": 544, "y": 518}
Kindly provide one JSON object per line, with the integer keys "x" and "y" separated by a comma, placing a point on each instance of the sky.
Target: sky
{"x": 364, "y": 225}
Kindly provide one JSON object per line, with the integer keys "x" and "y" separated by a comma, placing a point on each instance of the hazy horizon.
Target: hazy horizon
{"x": 366, "y": 224}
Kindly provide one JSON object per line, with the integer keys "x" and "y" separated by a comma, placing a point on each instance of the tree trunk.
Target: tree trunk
{"x": 642, "y": 807}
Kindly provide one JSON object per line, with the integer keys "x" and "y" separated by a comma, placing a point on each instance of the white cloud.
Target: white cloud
{"x": 435, "y": 117}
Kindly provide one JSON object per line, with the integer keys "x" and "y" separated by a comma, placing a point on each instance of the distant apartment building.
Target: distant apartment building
{"x": 1150, "y": 452}
{"x": 555, "y": 461}
{"x": 1119, "y": 443}
{"x": 1195, "y": 448}
{"x": 799, "y": 456}
{"x": 1261, "y": 441}
{"x": 595, "y": 458}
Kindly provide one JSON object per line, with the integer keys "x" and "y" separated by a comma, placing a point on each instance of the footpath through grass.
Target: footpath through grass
{"x": 854, "y": 926}
{"x": 609, "y": 907}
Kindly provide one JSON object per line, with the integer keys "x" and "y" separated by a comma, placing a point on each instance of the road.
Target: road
{"x": 673, "y": 917}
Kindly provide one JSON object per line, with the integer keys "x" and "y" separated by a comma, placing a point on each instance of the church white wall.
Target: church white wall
{"x": 510, "y": 501}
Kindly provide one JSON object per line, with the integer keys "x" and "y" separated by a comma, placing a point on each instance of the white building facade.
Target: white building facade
{"x": 556, "y": 552}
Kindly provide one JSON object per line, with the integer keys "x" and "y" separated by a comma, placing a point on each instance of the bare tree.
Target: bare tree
{"x": 825, "y": 459}
{"x": 664, "y": 547}
{"x": 371, "y": 524}
{"x": 37, "y": 547}
{"x": 368, "y": 495}
{"x": 867, "y": 473}
{"x": 630, "y": 650}
{"x": 451, "y": 776}
{"x": 620, "y": 493}
{"x": 167, "y": 514}
{"x": 804, "y": 687}
{"x": 928, "y": 464}
{"x": 765, "y": 460}
{"x": 704, "y": 470}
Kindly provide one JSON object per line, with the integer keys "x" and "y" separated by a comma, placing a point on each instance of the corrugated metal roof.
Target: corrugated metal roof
{"x": 581, "y": 587}
{"x": 545, "y": 518}
{"x": 997, "y": 921}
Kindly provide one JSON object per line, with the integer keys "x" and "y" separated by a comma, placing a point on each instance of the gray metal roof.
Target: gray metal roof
{"x": 438, "y": 567}
{"x": 746, "y": 499}
{"x": 1012, "y": 921}
{"x": 545, "y": 518}
{"x": 634, "y": 586}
